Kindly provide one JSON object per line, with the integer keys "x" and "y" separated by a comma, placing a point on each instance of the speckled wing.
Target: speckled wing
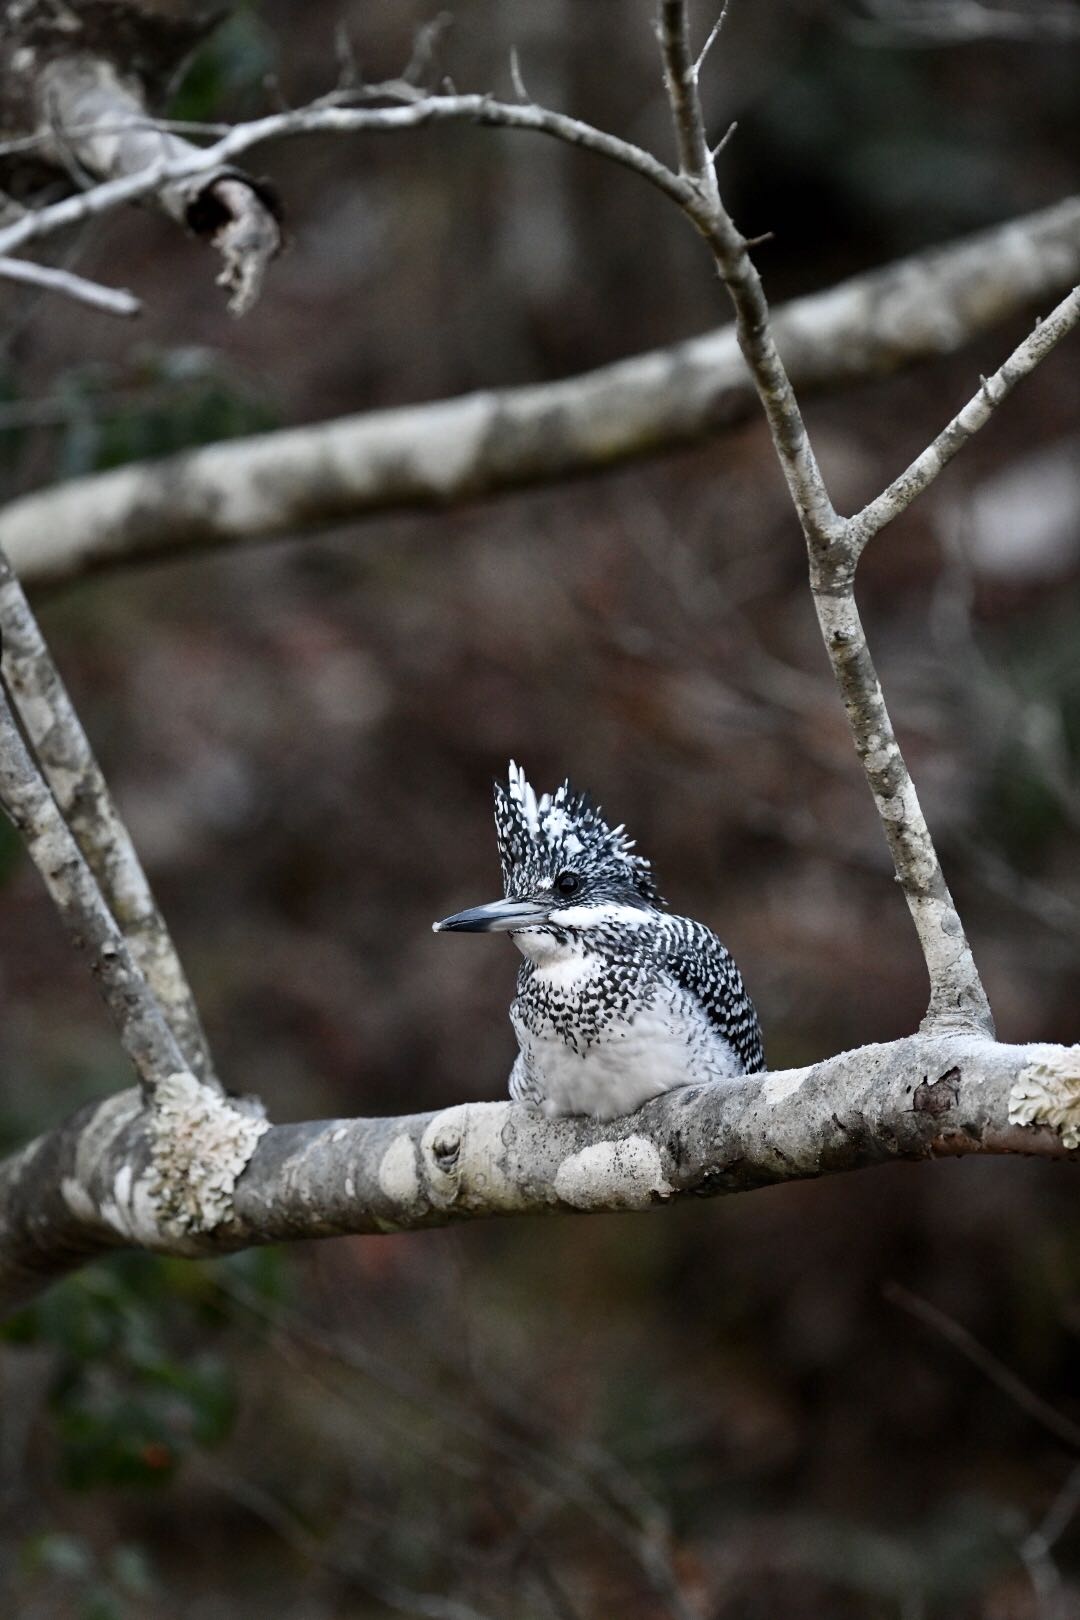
{"x": 692, "y": 955}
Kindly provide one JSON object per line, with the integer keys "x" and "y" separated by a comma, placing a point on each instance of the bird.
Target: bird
{"x": 618, "y": 1000}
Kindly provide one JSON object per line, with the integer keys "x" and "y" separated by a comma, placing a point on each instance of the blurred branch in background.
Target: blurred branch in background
{"x": 958, "y": 22}
{"x": 303, "y": 480}
{"x": 112, "y": 300}
{"x": 75, "y": 88}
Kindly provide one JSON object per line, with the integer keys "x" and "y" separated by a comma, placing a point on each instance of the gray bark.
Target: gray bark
{"x": 77, "y": 84}
{"x": 197, "y": 1175}
{"x": 72, "y": 773}
{"x": 305, "y": 479}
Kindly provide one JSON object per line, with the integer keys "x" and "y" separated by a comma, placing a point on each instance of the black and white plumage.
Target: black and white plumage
{"x": 617, "y": 1000}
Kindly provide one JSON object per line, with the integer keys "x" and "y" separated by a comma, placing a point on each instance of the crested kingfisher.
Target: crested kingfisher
{"x": 617, "y": 1000}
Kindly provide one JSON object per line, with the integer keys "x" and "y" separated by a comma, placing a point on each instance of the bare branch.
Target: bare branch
{"x": 975, "y": 415}
{"x": 145, "y": 1036}
{"x": 958, "y": 22}
{"x": 515, "y": 77}
{"x": 681, "y": 78}
{"x": 112, "y": 300}
{"x": 715, "y": 151}
{"x": 710, "y": 40}
{"x": 455, "y": 450}
{"x": 68, "y": 764}
{"x": 957, "y": 998}
{"x": 99, "y": 124}
{"x": 64, "y": 1198}
{"x": 953, "y": 1332}
{"x": 428, "y": 36}
{"x": 171, "y": 175}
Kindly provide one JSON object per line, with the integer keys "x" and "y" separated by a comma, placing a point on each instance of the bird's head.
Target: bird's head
{"x": 565, "y": 871}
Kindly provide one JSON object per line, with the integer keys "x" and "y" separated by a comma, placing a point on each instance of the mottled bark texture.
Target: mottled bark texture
{"x": 958, "y": 1001}
{"x": 77, "y": 85}
{"x": 201, "y": 1176}
{"x": 302, "y": 480}
{"x": 90, "y": 925}
{"x": 67, "y": 762}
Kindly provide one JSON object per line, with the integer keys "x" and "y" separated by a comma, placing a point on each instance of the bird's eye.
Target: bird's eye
{"x": 567, "y": 883}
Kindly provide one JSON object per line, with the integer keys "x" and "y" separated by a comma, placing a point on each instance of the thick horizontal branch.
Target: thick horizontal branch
{"x": 303, "y": 479}
{"x": 201, "y": 1176}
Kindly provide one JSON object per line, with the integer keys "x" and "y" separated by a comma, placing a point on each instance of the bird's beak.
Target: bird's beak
{"x": 501, "y": 916}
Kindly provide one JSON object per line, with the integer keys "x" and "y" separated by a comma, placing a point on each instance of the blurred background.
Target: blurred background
{"x": 724, "y": 1411}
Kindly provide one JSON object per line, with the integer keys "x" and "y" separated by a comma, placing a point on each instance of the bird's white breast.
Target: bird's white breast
{"x": 663, "y": 1041}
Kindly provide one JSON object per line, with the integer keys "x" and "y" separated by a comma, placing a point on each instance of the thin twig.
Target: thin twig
{"x": 515, "y": 76}
{"x": 723, "y": 141}
{"x": 680, "y": 74}
{"x": 712, "y": 37}
{"x": 1046, "y": 1416}
{"x": 975, "y": 415}
{"x": 427, "y": 38}
{"x": 409, "y": 114}
{"x": 112, "y": 300}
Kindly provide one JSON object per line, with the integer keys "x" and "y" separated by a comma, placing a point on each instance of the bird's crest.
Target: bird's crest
{"x": 541, "y": 836}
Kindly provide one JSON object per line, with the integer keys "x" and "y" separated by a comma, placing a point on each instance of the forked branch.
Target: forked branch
{"x": 957, "y": 997}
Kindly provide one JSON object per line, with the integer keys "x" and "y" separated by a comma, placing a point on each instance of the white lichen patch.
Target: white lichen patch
{"x": 129, "y": 1209}
{"x": 613, "y": 1175}
{"x": 785, "y": 1083}
{"x": 397, "y": 1172}
{"x": 200, "y": 1144}
{"x": 1047, "y": 1092}
{"x": 37, "y": 712}
{"x": 462, "y": 1154}
{"x": 78, "y": 1200}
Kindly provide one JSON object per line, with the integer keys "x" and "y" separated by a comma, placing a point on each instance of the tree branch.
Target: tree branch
{"x": 681, "y": 80}
{"x": 976, "y": 413}
{"x": 99, "y": 123}
{"x": 199, "y": 1177}
{"x": 112, "y": 300}
{"x": 300, "y": 480}
{"x": 90, "y": 925}
{"x": 72, "y": 772}
{"x": 170, "y": 174}
{"x": 957, "y": 997}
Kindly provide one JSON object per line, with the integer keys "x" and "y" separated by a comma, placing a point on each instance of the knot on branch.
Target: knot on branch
{"x": 200, "y": 1143}
{"x": 1047, "y": 1092}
